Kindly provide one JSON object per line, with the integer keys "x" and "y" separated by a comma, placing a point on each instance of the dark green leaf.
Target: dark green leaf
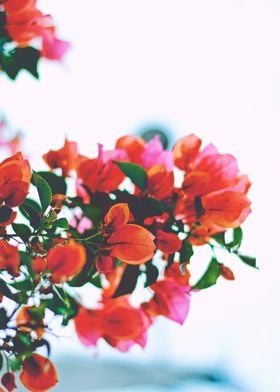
{"x": 96, "y": 281}
{"x": 129, "y": 281}
{"x": 5, "y": 290}
{"x": 151, "y": 274}
{"x": 135, "y": 172}
{"x": 220, "y": 238}
{"x": 152, "y": 207}
{"x": 27, "y": 58}
{"x": 186, "y": 251}
{"x": 31, "y": 213}
{"x": 210, "y": 276}
{"x": 20, "y": 58}
{"x": 62, "y": 223}
{"x": 44, "y": 190}
{"x": 22, "y": 285}
{"x": 22, "y": 231}
{"x": 5, "y": 213}
{"x": 27, "y": 262}
{"x": 56, "y": 183}
{"x": 251, "y": 261}
{"x": 87, "y": 272}
{"x": 4, "y": 319}
{"x": 1, "y": 361}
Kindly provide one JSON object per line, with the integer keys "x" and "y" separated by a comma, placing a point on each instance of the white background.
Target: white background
{"x": 211, "y": 67}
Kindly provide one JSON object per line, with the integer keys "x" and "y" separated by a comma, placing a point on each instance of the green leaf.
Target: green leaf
{"x": 5, "y": 213}
{"x": 210, "y": 276}
{"x": 56, "y": 183}
{"x": 186, "y": 251}
{"x": 128, "y": 281}
{"x": 251, "y": 261}
{"x": 152, "y": 207}
{"x": 26, "y": 260}
{"x": 5, "y": 290}
{"x": 4, "y": 319}
{"x": 152, "y": 274}
{"x": 135, "y": 172}
{"x": 44, "y": 190}
{"x": 28, "y": 58}
{"x": 23, "y": 285}
{"x": 30, "y": 212}
{"x": 20, "y": 58}
{"x": 62, "y": 223}
{"x": 1, "y": 361}
{"x": 22, "y": 231}
{"x": 220, "y": 238}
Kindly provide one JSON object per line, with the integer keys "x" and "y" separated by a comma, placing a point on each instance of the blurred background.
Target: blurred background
{"x": 210, "y": 67}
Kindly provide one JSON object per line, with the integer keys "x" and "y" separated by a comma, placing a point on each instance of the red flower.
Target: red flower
{"x": 38, "y": 373}
{"x": 168, "y": 242}
{"x": 102, "y": 174}
{"x": 133, "y": 145}
{"x": 65, "y": 261}
{"x": 9, "y": 381}
{"x": 179, "y": 273}
{"x": 120, "y": 324}
{"x": 67, "y": 158}
{"x": 9, "y": 258}
{"x": 15, "y": 176}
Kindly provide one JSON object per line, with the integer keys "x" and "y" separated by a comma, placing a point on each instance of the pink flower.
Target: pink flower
{"x": 154, "y": 154}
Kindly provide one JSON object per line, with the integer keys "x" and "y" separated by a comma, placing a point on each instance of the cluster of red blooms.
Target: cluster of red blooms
{"x": 26, "y": 35}
{"x": 138, "y": 215}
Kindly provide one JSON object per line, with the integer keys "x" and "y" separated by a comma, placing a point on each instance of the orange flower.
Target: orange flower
{"x": 160, "y": 182}
{"x": 133, "y": 145}
{"x": 38, "y": 373}
{"x": 28, "y": 321}
{"x": 132, "y": 244}
{"x": 67, "y": 158}
{"x": 15, "y": 176}
{"x": 9, "y": 258}
{"x": 185, "y": 150}
{"x": 225, "y": 209}
{"x": 65, "y": 261}
{"x": 117, "y": 216}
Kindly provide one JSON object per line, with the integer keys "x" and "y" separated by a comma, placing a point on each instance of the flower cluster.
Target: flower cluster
{"x": 26, "y": 35}
{"x": 130, "y": 233}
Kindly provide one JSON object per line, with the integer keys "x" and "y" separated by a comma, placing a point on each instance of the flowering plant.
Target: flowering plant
{"x": 130, "y": 231}
{"x": 26, "y": 35}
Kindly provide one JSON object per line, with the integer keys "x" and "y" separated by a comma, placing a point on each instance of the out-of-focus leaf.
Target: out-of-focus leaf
{"x": 56, "y": 183}
{"x": 21, "y": 230}
{"x": 44, "y": 190}
{"x": 210, "y": 276}
{"x": 135, "y": 172}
